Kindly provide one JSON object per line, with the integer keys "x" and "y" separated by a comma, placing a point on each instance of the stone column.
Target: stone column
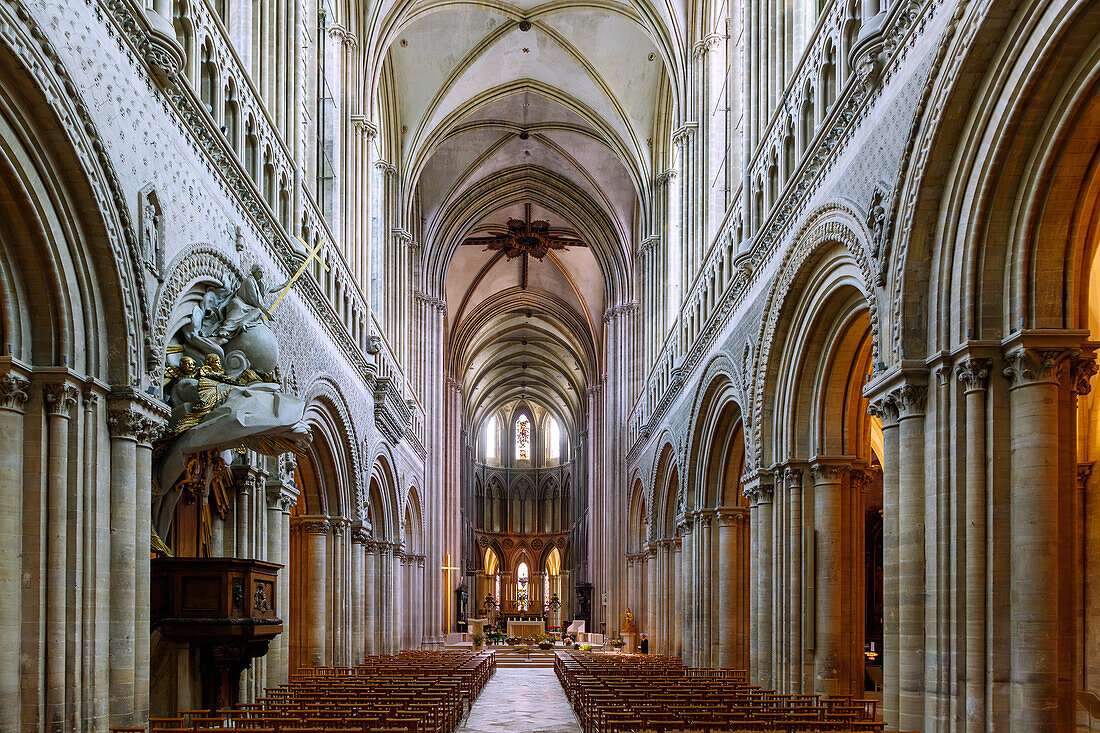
{"x": 793, "y": 478}
{"x": 701, "y": 642}
{"x": 973, "y": 373}
{"x": 749, "y": 492}
{"x": 687, "y": 580}
{"x": 886, "y": 409}
{"x": 676, "y": 566}
{"x": 651, "y": 594}
{"x": 398, "y": 607}
{"x": 58, "y": 398}
{"x": 14, "y": 392}
{"x": 764, "y": 602}
{"x": 418, "y": 629}
{"x": 359, "y": 539}
{"x": 386, "y": 609}
{"x": 245, "y": 486}
{"x": 911, "y": 558}
{"x": 662, "y": 641}
{"x": 830, "y": 656}
{"x": 282, "y": 494}
{"x": 124, "y": 424}
{"x": 728, "y": 580}
{"x": 143, "y": 522}
{"x": 1036, "y": 367}
{"x": 370, "y": 621}
{"x": 314, "y": 619}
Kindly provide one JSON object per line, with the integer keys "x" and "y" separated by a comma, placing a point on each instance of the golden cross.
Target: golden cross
{"x": 449, "y": 567}
{"x": 312, "y": 256}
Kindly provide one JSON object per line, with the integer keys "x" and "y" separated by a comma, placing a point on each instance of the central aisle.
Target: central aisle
{"x": 529, "y": 700}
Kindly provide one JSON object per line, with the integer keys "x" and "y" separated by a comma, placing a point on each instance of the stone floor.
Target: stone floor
{"x": 528, "y": 700}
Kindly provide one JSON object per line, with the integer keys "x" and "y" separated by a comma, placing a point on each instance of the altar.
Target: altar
{"x": 525, "y": 629}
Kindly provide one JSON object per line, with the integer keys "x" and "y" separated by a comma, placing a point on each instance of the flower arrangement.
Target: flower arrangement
{"x": 478, "y": 640}
{"x": 617, "y": 643}
{"x": 586, "y": 647}
{"x": 576, "y": 645}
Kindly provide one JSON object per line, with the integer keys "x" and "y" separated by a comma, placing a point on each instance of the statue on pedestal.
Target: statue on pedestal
{"x": 628, "y": 622}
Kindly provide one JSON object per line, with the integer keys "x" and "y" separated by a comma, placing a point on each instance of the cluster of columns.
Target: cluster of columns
{"x": 713, "y": 569}
{"x": 777, "y": 588}
{"x": 352, "y": 596}
{"x": 663, "y": 618}
{"x": 983, "y": 548}
{"x": 75, "y": 482}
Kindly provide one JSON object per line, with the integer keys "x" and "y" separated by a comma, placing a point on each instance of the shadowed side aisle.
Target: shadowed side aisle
{"x": 528, "y": 700}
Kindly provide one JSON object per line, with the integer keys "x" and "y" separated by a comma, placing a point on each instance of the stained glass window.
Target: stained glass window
{"x": 522, "y": 582}
{"x": 491, "y": 438}
{"x": 555, "y": 440}
{"x": 523, "y": 438}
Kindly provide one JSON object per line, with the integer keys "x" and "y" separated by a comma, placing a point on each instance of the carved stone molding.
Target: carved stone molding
{"x": 59, "y": 398}
{"x": 14, "y": 391}
{"x": 360, "y": 536}
{"x": 974, "y": 373}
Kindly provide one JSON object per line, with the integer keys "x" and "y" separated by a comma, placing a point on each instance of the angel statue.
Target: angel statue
{"x": 246, "y": 307}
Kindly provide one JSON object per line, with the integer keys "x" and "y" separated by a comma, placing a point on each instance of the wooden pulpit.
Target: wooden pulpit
{"x": 223, "y": 606}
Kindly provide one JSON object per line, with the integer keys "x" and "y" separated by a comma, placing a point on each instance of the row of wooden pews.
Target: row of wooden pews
{"x": 410, "y": 692}
{"x": 654, "y": 694}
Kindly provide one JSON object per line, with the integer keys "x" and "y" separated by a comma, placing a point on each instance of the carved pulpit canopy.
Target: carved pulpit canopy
{"x": 222, "y": 382}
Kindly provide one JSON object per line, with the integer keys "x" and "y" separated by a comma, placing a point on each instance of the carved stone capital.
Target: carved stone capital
{"x": 360, "y": 535}
{"x": 793, "y": 476}
{"x": 14, "y": 391}
{"x": 974, "y": 373}
{"x": 885, "y": 409}
{"x": 59, "y": 398}
{"x": 862, "y": 479}
{"x": 829, "y": 472}
{"x": 1084, "y": 471}
{"x": 123, "y": 422}
{"x": 1026, "y": 366}
{"x": 149, "y": 430}
{"x": 312, "y": 526}
{"x": 1081, "y": 371}
{"x": 730, "y": 516}
{"x": 910, "y": 399}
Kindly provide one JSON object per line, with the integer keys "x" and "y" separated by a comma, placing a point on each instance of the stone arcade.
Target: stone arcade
{"x": 772, "y": 324}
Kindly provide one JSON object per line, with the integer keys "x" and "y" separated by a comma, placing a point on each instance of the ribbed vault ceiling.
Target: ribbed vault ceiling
{"x": 505, "y": 104}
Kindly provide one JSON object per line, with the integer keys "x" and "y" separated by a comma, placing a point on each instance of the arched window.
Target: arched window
{"x": 523, "y": 438}
{"x": 554, "y": 432}
{"x": 522, "y": 581}
{"x": 491, "y": 439}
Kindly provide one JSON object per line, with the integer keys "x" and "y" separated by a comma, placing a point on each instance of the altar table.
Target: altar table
{"x": 524, "y": 629}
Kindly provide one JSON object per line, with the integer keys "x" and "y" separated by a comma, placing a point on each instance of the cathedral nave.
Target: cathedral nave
{"x": 521, "y": 365}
